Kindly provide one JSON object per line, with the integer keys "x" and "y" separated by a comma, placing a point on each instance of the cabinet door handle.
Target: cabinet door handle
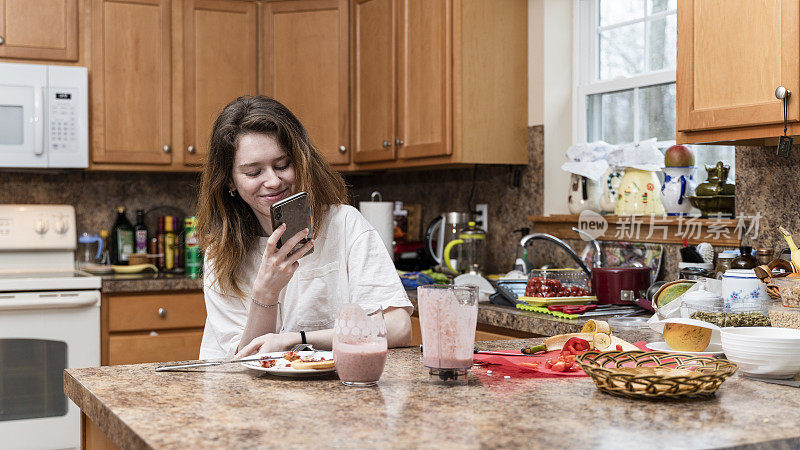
{"x": 781, "y": 93}
{"x": 398, "y": 142}
{"x": 167, "y": 149}
{"x": 342, "y": 149}
{"x": 387, "y": 144}
{"x": 191, "y": 149}
{"x": 2, "y": 41}
{"x": 162, "y": 312}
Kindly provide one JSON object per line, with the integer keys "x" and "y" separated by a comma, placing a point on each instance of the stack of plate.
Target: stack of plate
{"x": 763, "y": 351}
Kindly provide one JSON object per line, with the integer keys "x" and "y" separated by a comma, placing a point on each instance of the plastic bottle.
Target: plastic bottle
{"x": 194, "y": 257}
{"x": 140, "y": 233}
{"x": 121, "y": 238}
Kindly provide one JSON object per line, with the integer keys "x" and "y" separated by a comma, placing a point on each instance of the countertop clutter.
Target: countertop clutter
{"x": 139, "y": 408}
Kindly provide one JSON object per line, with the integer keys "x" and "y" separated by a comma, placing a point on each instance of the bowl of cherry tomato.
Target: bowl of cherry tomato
{"x": 548, "y": 283}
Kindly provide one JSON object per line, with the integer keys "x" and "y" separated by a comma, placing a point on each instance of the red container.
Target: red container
{"x": 608, "y": 282}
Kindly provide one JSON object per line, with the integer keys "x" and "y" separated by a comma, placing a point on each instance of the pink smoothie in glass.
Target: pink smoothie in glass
{"x": 360, "y": 363}
{"x": 448, "y": 329}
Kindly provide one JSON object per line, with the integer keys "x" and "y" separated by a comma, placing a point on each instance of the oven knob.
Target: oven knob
{"x": 61, "y": 226}
{"x": 41, "y": 227}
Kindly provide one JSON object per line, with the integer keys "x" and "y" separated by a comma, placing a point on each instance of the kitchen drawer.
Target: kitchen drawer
{"x": 135, "y": 348}
{"x": 145, "y": 312}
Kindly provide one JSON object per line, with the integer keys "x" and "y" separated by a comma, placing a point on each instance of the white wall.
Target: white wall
{"x": 550, "y": 87}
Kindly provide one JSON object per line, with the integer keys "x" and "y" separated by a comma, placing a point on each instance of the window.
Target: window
{"x": 626, "y": 55}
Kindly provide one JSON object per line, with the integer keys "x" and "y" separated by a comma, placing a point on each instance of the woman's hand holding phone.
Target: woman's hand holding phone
{"x": 277, "y": 266}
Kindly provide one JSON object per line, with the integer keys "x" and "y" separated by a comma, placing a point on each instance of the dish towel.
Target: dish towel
{"x": 501, "y": 366}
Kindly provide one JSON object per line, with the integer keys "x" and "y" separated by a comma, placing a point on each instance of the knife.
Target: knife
{"x": 215, "y": 363}
{"x": 791, "y": 383}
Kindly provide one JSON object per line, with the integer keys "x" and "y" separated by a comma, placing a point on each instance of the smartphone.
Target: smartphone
{"x": 295, "y": 213}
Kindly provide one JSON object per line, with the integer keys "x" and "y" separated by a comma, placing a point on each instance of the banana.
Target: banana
{"x": 136, "y": 268}
{"x": 601, "y": 341}
{"x": 793, "y": 247}
{"x": 596, "y": 326}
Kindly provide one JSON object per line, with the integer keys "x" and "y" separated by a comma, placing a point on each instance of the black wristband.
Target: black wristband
{"x": 303, "y": 337}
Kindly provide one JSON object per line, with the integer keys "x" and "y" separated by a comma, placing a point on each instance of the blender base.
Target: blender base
{"x": 449, "y": 376}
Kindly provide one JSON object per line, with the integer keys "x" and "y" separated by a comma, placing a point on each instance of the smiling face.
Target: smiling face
{"x": 262, "y": 174}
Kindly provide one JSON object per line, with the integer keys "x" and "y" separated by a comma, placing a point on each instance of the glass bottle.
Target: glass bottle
{"x": 140, "y": 233}
{"x": 121, "y": 238}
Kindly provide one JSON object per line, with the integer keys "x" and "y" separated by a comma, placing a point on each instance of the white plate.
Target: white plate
{"x": 282, "y": 368}
{"x": 712, "y": 349}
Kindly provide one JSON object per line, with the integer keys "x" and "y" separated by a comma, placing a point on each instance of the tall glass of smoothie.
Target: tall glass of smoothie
{"x": 448, "y": 315}
{"x": 359, "y": 344}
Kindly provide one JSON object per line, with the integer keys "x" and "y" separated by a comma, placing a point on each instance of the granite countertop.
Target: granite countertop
{"x": 149, "y": 281}
{"x": 231, "y": 407}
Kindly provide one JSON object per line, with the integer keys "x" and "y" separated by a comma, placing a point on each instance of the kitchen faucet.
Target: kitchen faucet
{"x": 597, "y": 258}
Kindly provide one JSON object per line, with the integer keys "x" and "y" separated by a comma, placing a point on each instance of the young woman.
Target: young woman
{"x": 258, "y": 297}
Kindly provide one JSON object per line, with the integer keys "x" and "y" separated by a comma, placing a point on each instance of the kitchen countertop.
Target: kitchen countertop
{"x": 231, "y": 406}
{"x": 149, "y": 281}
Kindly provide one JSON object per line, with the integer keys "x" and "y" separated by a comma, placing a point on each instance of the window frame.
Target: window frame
{"x": 585, "y": 64}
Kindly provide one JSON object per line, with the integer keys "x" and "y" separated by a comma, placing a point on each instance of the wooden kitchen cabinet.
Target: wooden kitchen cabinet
{"x": 306, "y": 67}
{"x": 162, "y": 70}
{"x": 220, "y": 64}
{"x": 131, "y": 82}
{"x": 44, "y": 30}
{"x": 151, "y": 327}
{"x": 732, "y": 55}
{"x": 438, "y": 82}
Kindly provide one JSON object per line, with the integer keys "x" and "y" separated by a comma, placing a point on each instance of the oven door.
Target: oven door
{"x": 41, "y": 334}
{"x": 22, "y": 115}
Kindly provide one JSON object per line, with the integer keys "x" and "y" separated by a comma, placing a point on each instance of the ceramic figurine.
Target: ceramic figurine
{"x": 716, "y": 183}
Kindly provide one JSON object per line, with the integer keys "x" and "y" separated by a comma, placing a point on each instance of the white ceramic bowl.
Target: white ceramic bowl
{"x": 764, "y": 334}
{"x": 763, "y": 351}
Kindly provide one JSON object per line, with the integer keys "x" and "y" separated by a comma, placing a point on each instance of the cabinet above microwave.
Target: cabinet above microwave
{"x": 44, "y": 116}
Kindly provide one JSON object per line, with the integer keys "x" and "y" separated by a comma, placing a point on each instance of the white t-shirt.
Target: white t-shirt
{"x": 349, "y": 264}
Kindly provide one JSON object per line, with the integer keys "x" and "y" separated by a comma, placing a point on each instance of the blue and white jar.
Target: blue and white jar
{"x": 742, "y": 291}
{"x": 678, "y": 185}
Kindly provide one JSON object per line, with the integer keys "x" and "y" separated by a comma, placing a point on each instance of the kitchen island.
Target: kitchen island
{"x": 233, "y": 407}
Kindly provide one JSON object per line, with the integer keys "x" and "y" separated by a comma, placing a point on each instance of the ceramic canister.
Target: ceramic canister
{"x": 639, "y": 193}
{"x": 742, "y": 291}
{"x": 678, "y": 184}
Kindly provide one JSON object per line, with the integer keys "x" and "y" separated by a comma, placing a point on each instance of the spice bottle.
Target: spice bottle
{"x": 160, "y": 238}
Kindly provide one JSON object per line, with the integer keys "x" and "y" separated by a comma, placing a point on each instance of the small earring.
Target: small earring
{"x": 232, "y": 192}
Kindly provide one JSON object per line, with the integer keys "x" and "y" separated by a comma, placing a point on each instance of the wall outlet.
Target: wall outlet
{"x": 482, "y": 216}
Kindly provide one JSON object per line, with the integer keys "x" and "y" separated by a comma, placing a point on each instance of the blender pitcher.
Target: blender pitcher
{"x": 448, "y": 315}
{"x": 90, "y": 249}
{"x": 471, "y": 251}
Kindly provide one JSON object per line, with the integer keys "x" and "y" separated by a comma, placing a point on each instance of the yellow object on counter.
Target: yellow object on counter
{"x": 136, "y": 268}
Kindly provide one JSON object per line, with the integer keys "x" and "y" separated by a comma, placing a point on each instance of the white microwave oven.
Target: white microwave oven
{"x": 44, "y": 116}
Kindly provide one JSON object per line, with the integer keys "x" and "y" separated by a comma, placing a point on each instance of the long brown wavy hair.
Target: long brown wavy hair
{"x": 227, "y": 226}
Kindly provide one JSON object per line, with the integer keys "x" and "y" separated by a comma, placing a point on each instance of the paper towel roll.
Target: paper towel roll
{"x": 379, "y": 215}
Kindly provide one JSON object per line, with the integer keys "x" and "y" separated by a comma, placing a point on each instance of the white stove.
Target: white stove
{"x": 49, "y": 321}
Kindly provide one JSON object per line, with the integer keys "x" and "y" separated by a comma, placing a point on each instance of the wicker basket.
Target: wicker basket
{"x": 656, "y": 375}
